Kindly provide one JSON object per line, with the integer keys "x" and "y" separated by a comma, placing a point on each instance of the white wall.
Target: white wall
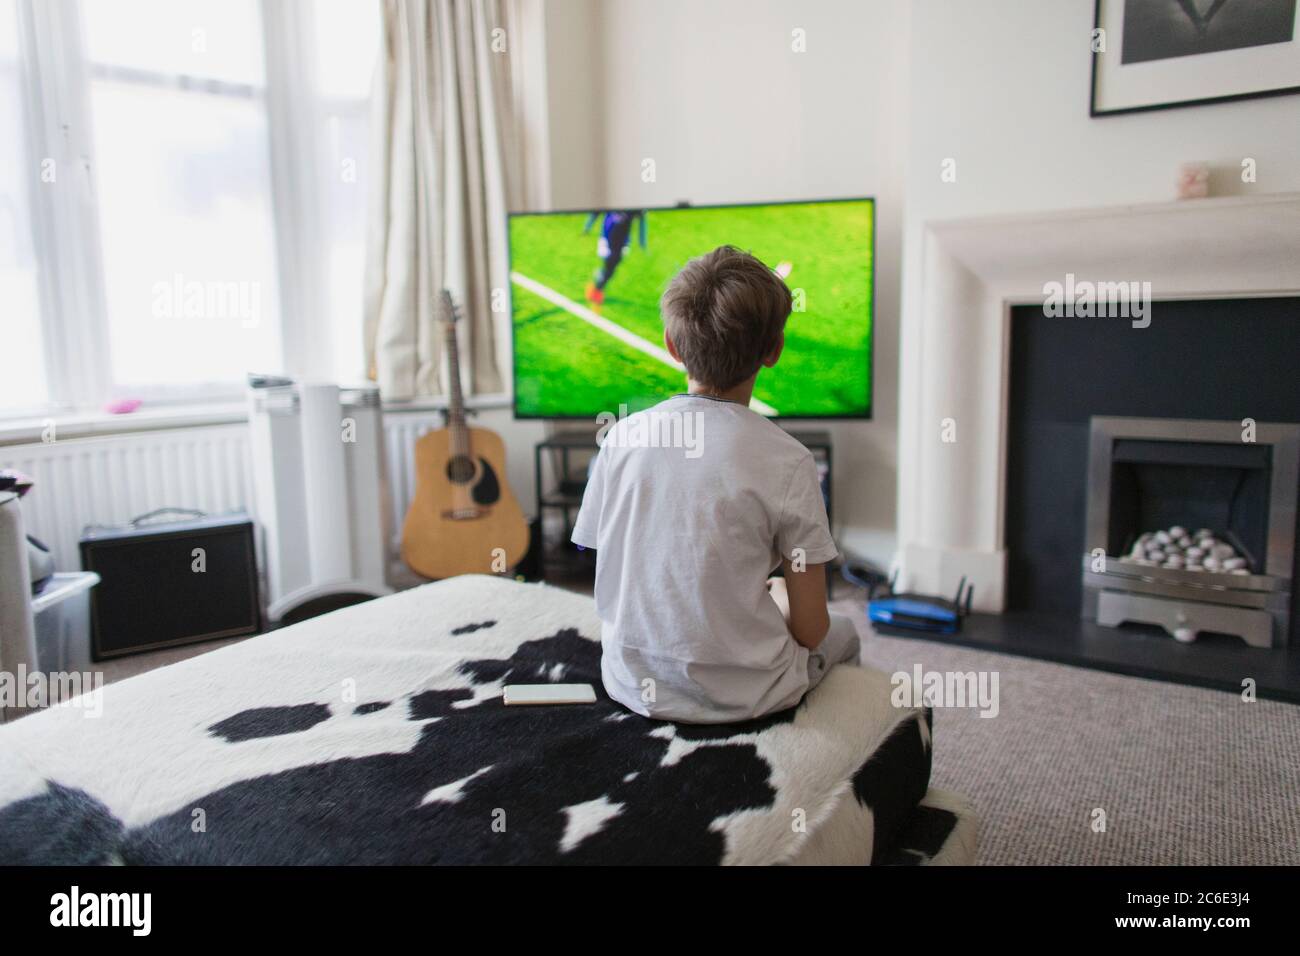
{"x": 714, "y": 93}
{"x": 575, "y": 59}
{"x": 1003, "y": 87}
{"x": 887, "y": 90}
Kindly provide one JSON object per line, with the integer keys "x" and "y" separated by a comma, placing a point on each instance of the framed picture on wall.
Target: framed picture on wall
{"x": 1159, "y": 54}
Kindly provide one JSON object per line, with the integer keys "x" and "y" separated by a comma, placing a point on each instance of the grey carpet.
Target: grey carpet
{"x": 1184, "y": 775}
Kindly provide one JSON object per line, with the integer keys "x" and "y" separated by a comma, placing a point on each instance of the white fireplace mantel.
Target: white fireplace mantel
{"x": 955, "y": 350}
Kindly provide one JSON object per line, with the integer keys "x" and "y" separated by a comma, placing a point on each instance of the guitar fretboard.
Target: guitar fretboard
{"x": 455, "y": 399}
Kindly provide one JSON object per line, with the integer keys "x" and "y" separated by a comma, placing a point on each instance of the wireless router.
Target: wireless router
{"x": 922, "y": 612}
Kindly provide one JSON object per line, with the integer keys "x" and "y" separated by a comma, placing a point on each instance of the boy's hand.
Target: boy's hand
{"x": 776, "y": 588}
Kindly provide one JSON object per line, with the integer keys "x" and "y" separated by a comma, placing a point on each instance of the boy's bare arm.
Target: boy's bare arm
{"x": 805, "y": 603}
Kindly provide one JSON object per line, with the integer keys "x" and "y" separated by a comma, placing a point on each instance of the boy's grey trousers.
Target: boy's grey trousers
{"x": 841, "y": 645}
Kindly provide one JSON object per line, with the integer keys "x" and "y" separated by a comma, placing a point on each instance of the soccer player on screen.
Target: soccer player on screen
{"x": 615, "y": 235}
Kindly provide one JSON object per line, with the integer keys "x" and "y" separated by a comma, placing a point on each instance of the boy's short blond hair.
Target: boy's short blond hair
{"x": 725, "y": 313}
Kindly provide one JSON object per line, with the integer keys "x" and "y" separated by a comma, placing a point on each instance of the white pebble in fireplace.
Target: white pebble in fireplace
{"x": 1176, "y": 547}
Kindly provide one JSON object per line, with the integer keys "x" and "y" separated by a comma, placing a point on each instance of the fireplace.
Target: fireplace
{"x": 1005, "y": 503}
{"x": 1191, "y": 526}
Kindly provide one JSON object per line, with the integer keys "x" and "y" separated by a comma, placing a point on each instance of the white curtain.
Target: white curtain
{"x": 447, "y": 170}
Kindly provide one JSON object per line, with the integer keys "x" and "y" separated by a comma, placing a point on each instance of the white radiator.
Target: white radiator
{"x": 318, "y": 456}
{"x": 401, "y": 430}
{"x": 110, "y": 480}
{"x": 82, "y": 481}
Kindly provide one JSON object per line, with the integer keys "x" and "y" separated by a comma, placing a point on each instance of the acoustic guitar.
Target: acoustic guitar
{"x": 463, "y": 519}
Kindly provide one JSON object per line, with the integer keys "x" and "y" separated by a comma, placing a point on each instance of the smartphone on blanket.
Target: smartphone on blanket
{"x": 549, "y": 694}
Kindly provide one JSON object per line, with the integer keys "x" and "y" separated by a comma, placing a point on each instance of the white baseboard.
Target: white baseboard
{"x": 877, "y": 545}
{"x": 931, "y": 570}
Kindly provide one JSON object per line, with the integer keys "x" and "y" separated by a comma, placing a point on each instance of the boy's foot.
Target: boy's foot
{"x": 595, "y": 296}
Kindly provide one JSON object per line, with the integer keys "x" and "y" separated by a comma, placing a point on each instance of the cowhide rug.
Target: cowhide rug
{"x": 376, "y": 734}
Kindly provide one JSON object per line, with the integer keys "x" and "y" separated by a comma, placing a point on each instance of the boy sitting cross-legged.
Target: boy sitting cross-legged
{"x": 685, "y": 537}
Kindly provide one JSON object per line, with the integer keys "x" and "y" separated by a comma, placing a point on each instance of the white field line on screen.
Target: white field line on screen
{"x": 613, "y": 328}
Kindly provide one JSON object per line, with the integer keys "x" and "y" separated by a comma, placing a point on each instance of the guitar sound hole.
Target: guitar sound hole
{"x": 460, "y": 469}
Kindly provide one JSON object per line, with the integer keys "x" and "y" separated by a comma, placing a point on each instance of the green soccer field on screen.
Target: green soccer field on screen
{"x": 585, "y": 290}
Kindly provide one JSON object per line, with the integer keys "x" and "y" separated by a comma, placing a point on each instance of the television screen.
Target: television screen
{"x": 585, "y": 290}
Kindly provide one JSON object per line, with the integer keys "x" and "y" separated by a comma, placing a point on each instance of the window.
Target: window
{"x": 211, "y": 205}
{"x": 181, "y": 152}
{"x": 345, "y": 51}
{"x": 22, "y": 361}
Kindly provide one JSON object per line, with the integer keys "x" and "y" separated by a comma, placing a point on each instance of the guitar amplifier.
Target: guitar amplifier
{"x": 164, "y": 584}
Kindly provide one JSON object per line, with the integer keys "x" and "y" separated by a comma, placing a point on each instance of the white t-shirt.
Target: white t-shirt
{"x": 690, "y": 506}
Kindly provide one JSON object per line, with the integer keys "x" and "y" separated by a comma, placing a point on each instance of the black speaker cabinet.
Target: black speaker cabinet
{"x": 167, "y": 584}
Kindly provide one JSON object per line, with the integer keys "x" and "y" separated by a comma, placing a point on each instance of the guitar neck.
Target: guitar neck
{"x": 455, "y": 398}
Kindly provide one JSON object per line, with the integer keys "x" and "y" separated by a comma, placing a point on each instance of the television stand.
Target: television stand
{"x": 565, "y": 497}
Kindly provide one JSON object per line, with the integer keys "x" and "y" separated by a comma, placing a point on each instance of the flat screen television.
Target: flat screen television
{"x": 585, "y": 288}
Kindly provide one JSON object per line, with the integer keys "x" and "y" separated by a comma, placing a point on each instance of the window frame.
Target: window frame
{"x": 56, "y": 75}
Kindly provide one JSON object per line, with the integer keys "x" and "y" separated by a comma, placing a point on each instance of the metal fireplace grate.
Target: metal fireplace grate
{"x": 1238, "y": 479}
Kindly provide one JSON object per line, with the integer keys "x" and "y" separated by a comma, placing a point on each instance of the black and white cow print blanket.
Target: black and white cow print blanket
{"x": 377, "y": 734}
